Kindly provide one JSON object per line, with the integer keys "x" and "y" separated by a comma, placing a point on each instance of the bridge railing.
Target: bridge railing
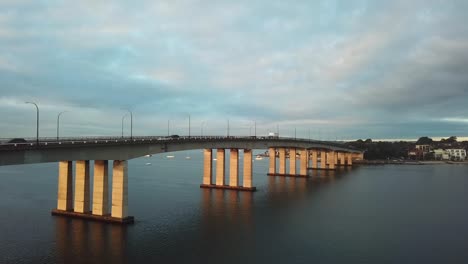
{"x": 28, "y": 143}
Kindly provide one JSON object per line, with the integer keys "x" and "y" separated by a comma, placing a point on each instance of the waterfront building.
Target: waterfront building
{"x": 457, "y": 154}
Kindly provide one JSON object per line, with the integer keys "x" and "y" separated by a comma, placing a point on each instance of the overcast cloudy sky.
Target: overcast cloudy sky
{"x": 341, "y": 69}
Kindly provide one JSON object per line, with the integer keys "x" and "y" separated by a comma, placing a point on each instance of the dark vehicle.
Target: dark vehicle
{"x": 17, "y": 140}
{"x": 174, "y": 136}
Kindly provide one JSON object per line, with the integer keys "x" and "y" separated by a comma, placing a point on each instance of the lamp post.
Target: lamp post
{"x": 58, "y": 123}
{"x": 123, "y": 117}
{"x": 295, "y": 134}
{"x": 228, "y": 128}
{"x": 189, "y": 125}
{"x": 37, "y": 121}
{"x": 255, "y": 128}
{"x": 201, "y": 128}
{"x": 131, "y": 123}
{"x": 168, "y": 127}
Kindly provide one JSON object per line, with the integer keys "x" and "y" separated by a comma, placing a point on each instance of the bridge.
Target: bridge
{"x": 313, "y": 154}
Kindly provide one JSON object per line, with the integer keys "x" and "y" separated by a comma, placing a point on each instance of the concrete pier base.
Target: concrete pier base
{"x": 102, "y": 218}
{"x": 327, "y": 169}
{"x": 288, "y": 175}
{"x": 238, "y": 188}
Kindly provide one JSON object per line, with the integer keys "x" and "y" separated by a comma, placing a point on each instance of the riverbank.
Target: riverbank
{"x": 408, "y": 162}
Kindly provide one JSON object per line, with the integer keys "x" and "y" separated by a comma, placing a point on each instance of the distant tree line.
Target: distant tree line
{"x": 399, "y": 150}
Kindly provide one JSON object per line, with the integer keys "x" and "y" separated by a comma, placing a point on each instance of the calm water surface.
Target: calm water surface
{"x": 375, "y": 214}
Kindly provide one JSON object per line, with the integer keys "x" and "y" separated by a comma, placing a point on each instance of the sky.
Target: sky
{"x": 315, "y": 69}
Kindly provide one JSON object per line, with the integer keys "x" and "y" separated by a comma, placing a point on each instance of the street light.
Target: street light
{"x": 37, "y": 121}
{"x": 131, "y": 123}
{"x": 123, "y": 117}
{"x": 189, "y": 125}
{"x": 228, "y": 128}
{"x": 168, "y": 127}
{"x": 255, "y": 130}
{"x": 58, "y": 123}
{"x": 201, "y": 128}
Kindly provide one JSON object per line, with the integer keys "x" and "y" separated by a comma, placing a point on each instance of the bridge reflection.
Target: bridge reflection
{"x": 81, "y": 241}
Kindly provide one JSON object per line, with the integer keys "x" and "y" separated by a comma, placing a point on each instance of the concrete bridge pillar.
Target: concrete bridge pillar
{"x": 82, "y": 195}
{"x": 323, "y": 159}
{"x": 101, "y": 187}
{"x": 65, "y": 186}
{"x": 234, "y": 168}
{"x": 220, "y": 167}
{"x": 282, "y": 161}
{"x": 100, "y": 207}
{"x": 349, "y": 159}
{"x": 292, "y": 161}
{"x": 304, "y": 162}
{"x": 341, "y": 158}
{"x": 331, "y": 160}
{"x": 207, "y": 166}
{"x": 272, "y": 154}
{"x": 314, "y": 159}
{"x": 120, "y": 189}
{"x": 247, "y": 169}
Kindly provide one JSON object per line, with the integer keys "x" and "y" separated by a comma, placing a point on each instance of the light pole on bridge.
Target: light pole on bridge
{"x": 228, "y": 128}
{"x": 37, "y": 121}
{"x": 123, "y": 117}
{"x": 58, "y": 123}
{"x": 131, "y": 123}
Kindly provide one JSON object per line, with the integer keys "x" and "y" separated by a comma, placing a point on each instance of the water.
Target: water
{"x": 380, "y": 214}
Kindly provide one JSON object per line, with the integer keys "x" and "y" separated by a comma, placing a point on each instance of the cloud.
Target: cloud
{"x": 352, "y": 67}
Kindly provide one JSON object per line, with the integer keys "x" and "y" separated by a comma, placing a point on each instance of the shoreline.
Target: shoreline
{"x": 408, "y": 162}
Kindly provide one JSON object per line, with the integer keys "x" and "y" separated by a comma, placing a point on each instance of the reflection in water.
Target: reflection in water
{"x": 345, "y": 216}
{"x": 82, "y": 241}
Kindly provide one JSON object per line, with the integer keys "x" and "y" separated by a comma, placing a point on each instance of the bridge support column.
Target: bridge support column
{"x": 331, "y": 155}
{"x": 220, "y": 167}
{"x": 349, "y": 159}
{"x": 207, "y": 166}
{"x": 233, "y": 171}
{"x": 282, "y": 161}
{"x": 247, "y": 184}
{"x": 234, "y": 168}
{"x": 272, "y": 154}
{"x": 314, "y": 159}
{"x": 82, "y": 195}
{"x": 303, "y": 163}
{"x": 323, "y": 159}
{"x": 120, "y": 190}
{"x": 101, "y": 187}
{"x": 341, "y": 158}
{"x": 335, "y": 158}
{"x": 292, "y": 161}
{"x": 100, "y": 191}
{"x": 65, "y": 186}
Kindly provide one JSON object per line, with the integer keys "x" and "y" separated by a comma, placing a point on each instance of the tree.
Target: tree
{"x": 424, "y": 141}
{"x": 450, "y": 140}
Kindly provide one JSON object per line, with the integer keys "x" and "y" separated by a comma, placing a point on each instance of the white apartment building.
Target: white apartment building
{"x": 441, "y": 154}
{"x": 457, "y": 154}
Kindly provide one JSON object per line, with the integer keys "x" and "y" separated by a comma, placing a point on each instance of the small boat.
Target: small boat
{"x": 258, "y": 157}
{"x": 215, "y": 159}
{"x": 170, "y": 156}
{"x": 188, "y": 157}
{"x": 147, "y": 156}
{"x": 148, "y": 163}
